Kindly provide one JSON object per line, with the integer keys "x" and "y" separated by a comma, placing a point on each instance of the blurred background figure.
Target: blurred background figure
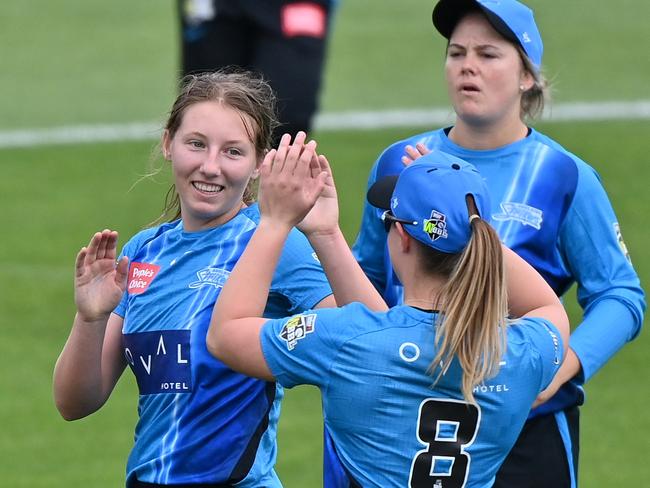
{"x": 284, "y": 40}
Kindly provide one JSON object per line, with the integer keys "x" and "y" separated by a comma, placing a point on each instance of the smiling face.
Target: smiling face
{"x": 213, "y": 159}
{"x": 484, "y": 73}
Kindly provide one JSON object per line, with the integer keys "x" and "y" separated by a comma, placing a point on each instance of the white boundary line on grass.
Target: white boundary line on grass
{"x": 352, "y": 120}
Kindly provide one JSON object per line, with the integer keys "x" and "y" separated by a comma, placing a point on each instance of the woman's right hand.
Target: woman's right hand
{"x": 289, "y": 185}
{"x": 323, "y": 218}
{"x": 99, "y": 281}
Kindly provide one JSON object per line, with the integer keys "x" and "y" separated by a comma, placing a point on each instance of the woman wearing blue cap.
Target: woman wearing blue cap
{"x": 432, "y": 392}
{"x": 547, "y": 205}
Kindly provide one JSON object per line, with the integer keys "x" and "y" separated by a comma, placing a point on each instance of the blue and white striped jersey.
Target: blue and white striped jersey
{"x": 199, "y": 421}
{"x": 550, "y": 208}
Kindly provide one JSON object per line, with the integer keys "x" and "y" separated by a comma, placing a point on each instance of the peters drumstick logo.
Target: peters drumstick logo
{"x": 140, "y": 277}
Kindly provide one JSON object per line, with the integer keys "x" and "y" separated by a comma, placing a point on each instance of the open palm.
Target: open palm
{"x": 99, "y": 282}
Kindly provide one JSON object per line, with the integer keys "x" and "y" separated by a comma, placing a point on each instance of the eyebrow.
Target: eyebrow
{"x": 230, "y": 141}
{"x": 479, "y": 47}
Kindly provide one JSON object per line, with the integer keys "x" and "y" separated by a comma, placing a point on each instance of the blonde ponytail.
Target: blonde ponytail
{"x": 472, "y": 326}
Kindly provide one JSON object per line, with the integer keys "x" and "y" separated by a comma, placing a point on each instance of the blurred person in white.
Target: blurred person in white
{"x": 284, "y": 40}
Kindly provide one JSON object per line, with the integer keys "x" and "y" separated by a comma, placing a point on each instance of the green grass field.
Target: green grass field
{"x": 69, "y": 62}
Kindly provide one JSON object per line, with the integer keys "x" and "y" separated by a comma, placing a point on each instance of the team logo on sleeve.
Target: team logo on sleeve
{"x": 297, "y": 328}
{"x": 621, "y": 243}
{"x": 140, "y": 277}
{"x": 436, "y": 226}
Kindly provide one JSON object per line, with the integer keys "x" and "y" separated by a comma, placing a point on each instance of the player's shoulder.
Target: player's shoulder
{"x": 352, "y": 320}
{"x": 145, "y": 236}
{"x": 554, "y": 148}
{"x": 535, "y": 335}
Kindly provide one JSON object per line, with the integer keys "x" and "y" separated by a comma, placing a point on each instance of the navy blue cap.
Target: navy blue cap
{"x": 512, "y": 19}
{"x": 431, "y": 193}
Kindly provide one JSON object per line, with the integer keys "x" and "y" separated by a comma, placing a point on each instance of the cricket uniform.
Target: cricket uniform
{"x": 199, "y": 421}
{"x": 550, "y": 208}
{"x": 390, "y": 425}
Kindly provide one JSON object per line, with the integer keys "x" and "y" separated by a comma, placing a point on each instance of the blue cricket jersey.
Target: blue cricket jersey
{"x": 199, "y": 421}
{"x": 390, "y": 426}
{"x": 550, "y": 208}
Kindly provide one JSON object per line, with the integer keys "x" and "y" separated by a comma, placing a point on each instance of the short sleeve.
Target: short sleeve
{"x": 302, "y": 349}
{"x": 129, "y": 250}
{"x": 546, "y": 346}
{"x": 299, "y": 275}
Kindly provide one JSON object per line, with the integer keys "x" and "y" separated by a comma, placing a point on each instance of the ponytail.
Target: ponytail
{"x": 473, "y": 325}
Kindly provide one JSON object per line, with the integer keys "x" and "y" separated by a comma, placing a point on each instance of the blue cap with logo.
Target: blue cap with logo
{"x": 429, "y": 196}
{"x": 512, "y": 19}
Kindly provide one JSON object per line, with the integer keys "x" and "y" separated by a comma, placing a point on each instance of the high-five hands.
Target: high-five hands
{"x": 291, "y": 180}
{"x": 99, "y": 281}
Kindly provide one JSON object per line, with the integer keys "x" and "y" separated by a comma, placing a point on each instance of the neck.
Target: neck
{"x": 423, "y": 292}
{"x": 485, "y": 136}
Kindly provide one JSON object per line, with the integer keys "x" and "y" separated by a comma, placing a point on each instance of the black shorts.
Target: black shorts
{"x": 539, "y": 458}
{"x": 285, "y": 41}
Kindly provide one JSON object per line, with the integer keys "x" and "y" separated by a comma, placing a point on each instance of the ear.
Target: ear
{"x": 404, "y": 237}
{"x": 165, "y": 144}
{"x": 526, "y": 81}
{"x": 256, "y": 172}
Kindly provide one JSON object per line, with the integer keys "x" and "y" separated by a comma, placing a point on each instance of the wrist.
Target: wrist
{"x": 325, "y": 234}
{"x": 272, "y": 227}
{"x": 325, "y": 237}
{"x": 92, "y": 320}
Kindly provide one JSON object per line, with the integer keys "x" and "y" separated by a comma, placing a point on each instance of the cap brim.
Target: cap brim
{"x": 381, "y": 192}
{"x": 447, "y": 13}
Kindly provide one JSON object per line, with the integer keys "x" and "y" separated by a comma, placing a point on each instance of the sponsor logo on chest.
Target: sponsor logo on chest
{"x": 160, "y": 360}
{"x": 140, "y": 277}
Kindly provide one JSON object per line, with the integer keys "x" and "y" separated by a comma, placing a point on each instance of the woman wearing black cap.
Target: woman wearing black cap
{"x": 433, "y": 392}
{"x": 547, "y": 205}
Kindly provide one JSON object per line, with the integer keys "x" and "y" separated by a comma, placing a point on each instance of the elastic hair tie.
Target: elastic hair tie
{"x": 473, "y": 217}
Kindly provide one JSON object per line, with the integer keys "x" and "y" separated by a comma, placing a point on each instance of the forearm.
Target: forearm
{"x": 348, "y": 281}
{"x": 607, "y": 326}
{"x": 246, "y": 290}
{"x": 78, "y": 386}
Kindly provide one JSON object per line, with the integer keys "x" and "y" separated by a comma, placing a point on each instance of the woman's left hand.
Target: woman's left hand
{"x": 414, "y": 153}
{"x": 289, "y": 187}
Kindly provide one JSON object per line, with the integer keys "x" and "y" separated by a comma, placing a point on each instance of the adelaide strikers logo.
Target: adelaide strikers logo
{"x": 211, "y": 277}
{"x": 297, "y": 328}
{"x": 436, "y": 225}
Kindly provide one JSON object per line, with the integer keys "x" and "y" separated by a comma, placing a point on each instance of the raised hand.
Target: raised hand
{"x": 414, "y": 153}
{"x": 323, "y": 218}
{"x": 99, "y": 281}
{"x": 289, "y": 186}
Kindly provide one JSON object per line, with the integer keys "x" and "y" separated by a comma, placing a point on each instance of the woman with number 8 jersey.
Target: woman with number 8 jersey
{"x": 432, "y": 392}
{"x": 548, "y": 205}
